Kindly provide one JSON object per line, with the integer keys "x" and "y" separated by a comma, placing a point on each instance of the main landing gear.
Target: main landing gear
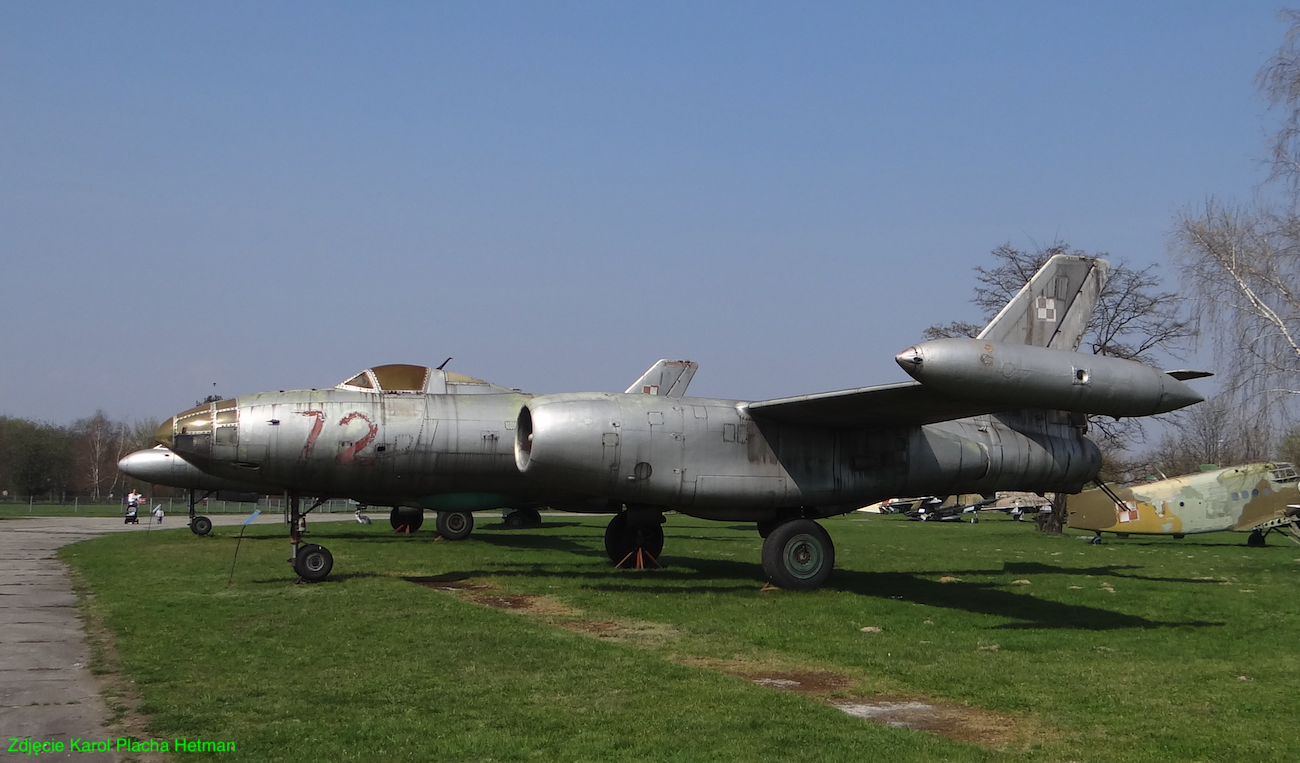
{"x": 798, "y": 555}
{"x": 455, "y": 525}
{"x": 635, "y": 538}
{"x": 406, "y": 519}
{"x": 517, "y": 518}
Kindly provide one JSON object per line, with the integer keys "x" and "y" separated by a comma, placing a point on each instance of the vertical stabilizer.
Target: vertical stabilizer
{"x": 666, "y": 378}
{"x": 1054, "y": 308}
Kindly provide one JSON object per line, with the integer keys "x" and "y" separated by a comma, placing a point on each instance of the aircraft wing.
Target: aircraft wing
{"x": 902, "y": 404}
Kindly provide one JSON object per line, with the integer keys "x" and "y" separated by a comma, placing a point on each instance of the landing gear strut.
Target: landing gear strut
{"x": 635, "y": 538}
{"x": 198, "y": 525}
{"x": 798, "y": 555}
{"x": 310, "y": 561}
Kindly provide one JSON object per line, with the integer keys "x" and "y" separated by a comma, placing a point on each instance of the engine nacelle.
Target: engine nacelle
{"x": 1025, "y": 376}
{"x": 569, "y": 439}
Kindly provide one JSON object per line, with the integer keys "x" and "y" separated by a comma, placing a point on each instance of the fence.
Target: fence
{"x": 12, "y": 505}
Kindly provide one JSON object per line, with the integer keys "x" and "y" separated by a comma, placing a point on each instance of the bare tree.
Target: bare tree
{"x": 1133, "y": 320}
{"x": 1241, "y": 265}
{"x": 95, "y": 437}
{"x": 1279, "y": 83}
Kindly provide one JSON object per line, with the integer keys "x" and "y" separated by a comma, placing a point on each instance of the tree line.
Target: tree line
{"x": 56, "y": 461}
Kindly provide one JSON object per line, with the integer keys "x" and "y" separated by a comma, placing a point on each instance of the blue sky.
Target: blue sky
{"x": 277, "y": 195}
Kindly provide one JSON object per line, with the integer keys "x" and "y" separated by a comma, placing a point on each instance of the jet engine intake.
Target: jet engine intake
{"x": 569, "y": 439}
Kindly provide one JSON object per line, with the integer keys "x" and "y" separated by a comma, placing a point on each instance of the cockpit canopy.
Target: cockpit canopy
{"x": 399, "y": 378}
{"x": 1283, "y": 472}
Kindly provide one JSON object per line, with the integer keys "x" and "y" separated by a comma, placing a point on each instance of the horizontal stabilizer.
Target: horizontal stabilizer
{"x": 1186, "y": 375}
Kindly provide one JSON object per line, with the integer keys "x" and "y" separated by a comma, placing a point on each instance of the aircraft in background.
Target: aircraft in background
{"x": 1254, "y": 498}
{"x": 1004, "y": 411}
{"x": 968, "y": 507}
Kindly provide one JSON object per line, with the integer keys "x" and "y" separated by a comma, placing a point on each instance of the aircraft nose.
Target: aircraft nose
{"x": 151, "y": 465}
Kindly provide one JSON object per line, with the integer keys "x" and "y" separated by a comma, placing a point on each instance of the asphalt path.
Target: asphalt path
{"x": 47, "y": 693}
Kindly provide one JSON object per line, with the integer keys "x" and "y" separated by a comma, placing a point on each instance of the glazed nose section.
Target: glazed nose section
{"x": 189, "y": 432}
{"x": 164, "y": 434}
{"x": 153, "y": 465}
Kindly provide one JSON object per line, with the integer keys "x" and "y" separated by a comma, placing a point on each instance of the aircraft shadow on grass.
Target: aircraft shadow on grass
{"x": 721, "y": 576}
{"x": 727, "y": 576}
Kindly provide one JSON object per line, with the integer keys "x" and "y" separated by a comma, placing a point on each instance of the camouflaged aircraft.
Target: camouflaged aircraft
{"x": 1004, "y": 411}
{"x": 1254, "y": 498}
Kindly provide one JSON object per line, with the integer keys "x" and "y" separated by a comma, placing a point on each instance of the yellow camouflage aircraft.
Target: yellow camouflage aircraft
{"x": 1254, "y": 498}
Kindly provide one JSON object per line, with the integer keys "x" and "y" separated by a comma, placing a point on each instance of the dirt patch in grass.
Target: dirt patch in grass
{"x": 635, "y": 632}
{"x": 449, "y": 586}
{"x": 528, "y": 605}
{"x": 962, "y": 723}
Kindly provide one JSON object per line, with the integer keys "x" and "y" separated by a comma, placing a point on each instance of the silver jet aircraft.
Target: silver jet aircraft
{"x": 405, "y": 436}
{"x": 1004, "y": 411}
{"x": 160, "y": 466}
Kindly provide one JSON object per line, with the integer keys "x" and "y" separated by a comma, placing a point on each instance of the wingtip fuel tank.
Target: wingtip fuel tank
{"x": 1025, "y": 376}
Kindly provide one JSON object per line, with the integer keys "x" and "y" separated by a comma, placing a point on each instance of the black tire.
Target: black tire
{"x": 532, "y": 517}
{"x": 798, "y": 556}
{"x": 407, "y": 518}
{"x": 621, "y": 538}
{"x": 1256, "y": 539}
{"x": 515, "y": 520}
{"x": 455, "y": 525}
{"x": 313, "y": 562}
{"x": 201, "y": 526}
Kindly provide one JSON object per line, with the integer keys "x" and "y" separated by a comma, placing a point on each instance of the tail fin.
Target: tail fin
{"x": 666, "y": 378}
{"x": 1054, "y": 308}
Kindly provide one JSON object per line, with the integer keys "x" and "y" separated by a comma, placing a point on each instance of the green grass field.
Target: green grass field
{"x": 526, "y": 645}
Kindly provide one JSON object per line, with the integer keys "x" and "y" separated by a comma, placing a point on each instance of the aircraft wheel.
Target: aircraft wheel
{"x": 1256, "y": 539}
{"x": 1096, "y": 541}
{"x": 455, "y": 525}
{"x": 798, "y": 555}
{"x": 515, "y": 519}
{"x": 201, "y": 526}
{"x": 408, "y": 518}
{"x": 313, "y": 562}
{"x": 532, "y": 517}
{"x": 621, "y": 538}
